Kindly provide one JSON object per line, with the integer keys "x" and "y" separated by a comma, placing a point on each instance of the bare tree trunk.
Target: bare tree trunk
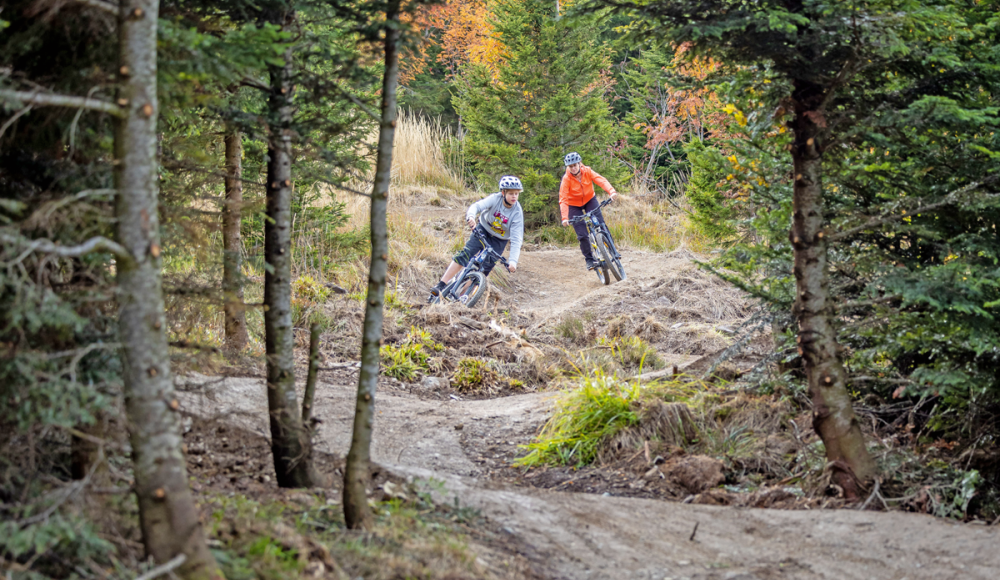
{"x": 168, "y": 515}
{"x": 232, "y": 275}
{"x": 290, "y": 444}
{"x": 357, "y": 472}
{"x": 309, "y": 394}
{"x": 833, "y": 417}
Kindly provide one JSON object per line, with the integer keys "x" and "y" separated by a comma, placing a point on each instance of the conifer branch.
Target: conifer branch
{"x": 950, "y": 199}
{"x": 360, "y": 104}
{"x": 253, "y": 84}
{"x": 864, "y": 303}
{"x": 52, "y": 100}
{"x": 95, "y": 244}
{"x": 14, "y": 118}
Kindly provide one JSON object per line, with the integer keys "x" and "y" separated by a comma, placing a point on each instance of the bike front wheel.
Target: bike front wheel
{"x": 608, "y": 252}
{"x": 471, "y": 288}
{"x": 602, "y": 269}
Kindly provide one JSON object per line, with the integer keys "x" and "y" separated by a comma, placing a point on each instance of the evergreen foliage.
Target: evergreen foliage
{"x": 545, "y": 98}
{"x": 912, "y": 116}
{"x": 711, "y": 213}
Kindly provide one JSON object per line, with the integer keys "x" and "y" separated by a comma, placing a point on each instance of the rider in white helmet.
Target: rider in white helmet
{"x": 576, "y": 196}
{"x": 499, "y": 216}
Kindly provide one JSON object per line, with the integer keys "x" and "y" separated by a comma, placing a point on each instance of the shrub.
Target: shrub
{"x": 571, "y": 328}
{"x": 477, "y": 376}
{"x": 408, "y": 360}
{"x": 584, "y": 418}
{"x": 632, "y": 351}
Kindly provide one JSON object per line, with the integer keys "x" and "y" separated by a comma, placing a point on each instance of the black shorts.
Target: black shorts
{"x": 473, "y": 245}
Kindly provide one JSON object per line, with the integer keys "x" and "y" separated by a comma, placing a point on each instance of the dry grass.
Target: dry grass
{"x": 418, "y": 157}
{"x": 656, "y": 221}
{"x": 635, "y": 224}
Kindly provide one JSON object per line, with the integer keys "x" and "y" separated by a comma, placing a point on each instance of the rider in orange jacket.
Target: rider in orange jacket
{"x": 576, "y": 196}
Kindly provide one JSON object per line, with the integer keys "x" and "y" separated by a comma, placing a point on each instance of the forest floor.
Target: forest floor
{"x": 610, "y": 521}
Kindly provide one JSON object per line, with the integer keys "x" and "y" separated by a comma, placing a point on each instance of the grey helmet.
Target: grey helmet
{"x": 510, "y": 182}
{"x": 572, "y": 158}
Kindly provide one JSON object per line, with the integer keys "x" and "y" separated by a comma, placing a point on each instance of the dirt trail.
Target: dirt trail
{"x": 551, "y": 282}
{"x": 571, "y": 536}
{"x": 575, "y": 536}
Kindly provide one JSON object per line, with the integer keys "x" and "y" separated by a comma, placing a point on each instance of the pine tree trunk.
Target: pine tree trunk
{"x": 232, "y": 276}
{"x": 833, "y": 417}
{"x": 168, "y": 515}
{"x": 290, "y": 444}
{"x": 357, "y": 472}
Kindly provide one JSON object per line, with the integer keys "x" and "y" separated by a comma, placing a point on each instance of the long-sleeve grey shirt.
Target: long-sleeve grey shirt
{"x": 506, "y": 223}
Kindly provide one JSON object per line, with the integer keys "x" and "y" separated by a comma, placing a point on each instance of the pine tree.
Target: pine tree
{"x": 543, "y": 99}
{"x": 858, "y": 87}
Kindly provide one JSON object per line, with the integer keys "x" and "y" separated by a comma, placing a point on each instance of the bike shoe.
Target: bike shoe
{"x": 436, "y": 290}
{"x": 591, "y": 263}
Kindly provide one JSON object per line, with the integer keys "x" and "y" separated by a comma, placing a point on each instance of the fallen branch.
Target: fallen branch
{"x": 52, "y": 100}
{"x": 164, "y": 568}
{"x": 340, "y": 365}
{"x": 874, "y": 493}
{"x": 193, "y": 345}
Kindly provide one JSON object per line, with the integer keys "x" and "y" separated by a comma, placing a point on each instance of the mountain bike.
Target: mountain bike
{"x": 470, "y": 284}
{"x": 609, "y": 261}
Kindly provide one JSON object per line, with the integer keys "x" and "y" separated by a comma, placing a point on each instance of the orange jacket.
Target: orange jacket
{"x": 577, "y": 190}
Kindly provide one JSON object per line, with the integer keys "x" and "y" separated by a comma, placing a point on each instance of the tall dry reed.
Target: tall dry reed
{"x": 418, "y": 156}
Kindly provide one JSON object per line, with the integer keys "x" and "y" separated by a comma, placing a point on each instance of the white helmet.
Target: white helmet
{"x": 572, "y": 158}
{"x": 510, "y": 182}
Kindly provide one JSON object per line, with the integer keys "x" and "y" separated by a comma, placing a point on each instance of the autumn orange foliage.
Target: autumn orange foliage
{"x": 462, "y": 30}
{"x": 680, "y": 113}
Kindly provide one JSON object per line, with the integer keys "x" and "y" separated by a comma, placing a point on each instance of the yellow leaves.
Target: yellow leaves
{"x": 737, "y": 114}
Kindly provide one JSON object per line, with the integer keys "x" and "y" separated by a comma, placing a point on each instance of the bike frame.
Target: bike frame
{"x": 475, "y": 265}
{"x": 594, "y": 225}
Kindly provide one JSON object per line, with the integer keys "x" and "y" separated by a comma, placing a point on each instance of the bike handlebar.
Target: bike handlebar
{"x": 587, "y": 214}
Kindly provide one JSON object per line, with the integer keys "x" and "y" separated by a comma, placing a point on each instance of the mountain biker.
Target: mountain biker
{"x": 576, "y": 196}
{"x": 499, "y": 216}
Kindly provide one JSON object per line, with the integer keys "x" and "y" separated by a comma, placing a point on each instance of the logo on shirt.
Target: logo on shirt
{"x": 499, "y": 223}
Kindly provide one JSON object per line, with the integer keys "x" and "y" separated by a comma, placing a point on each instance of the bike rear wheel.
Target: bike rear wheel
{"x": 471, "y": 288}
{"x": 602, "y": 269}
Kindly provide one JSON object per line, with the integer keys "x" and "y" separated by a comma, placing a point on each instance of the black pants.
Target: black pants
{"x": 581, "y": 228}
{"x": 473, "y": 245}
